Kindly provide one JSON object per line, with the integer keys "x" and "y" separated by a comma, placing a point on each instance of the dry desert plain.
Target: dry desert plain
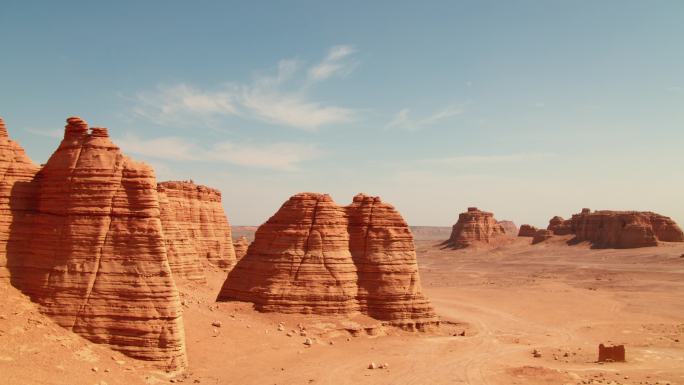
{"x": 508, "y": 301}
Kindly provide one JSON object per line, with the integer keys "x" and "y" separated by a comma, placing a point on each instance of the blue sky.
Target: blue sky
{"x": 528, "y": 109}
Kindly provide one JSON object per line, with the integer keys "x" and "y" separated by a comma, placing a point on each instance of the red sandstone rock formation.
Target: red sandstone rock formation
{"x": 541, "y": 235}
{"x": 559, "y": 226}
{"x": 240, "y": 247}
{"x": 382, "y": 247}
{"x": 202, "y": 220}
{"x": 95, "y": 257}
{"x": 509, "y": 228}
{"x": 313, "y": 256}
{"x": 299, "y": 261}
{"x": 611, "y": 353}
{"x": 618, "y": 229}
{"x": 527, "y": 231}
{"x": 16, "y": 195}
{"x": 181, "y": 247}
{"x": 474, "y": 226}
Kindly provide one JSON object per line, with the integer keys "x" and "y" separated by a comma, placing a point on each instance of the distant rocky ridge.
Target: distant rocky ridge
{"x": 240, "y": 247}
{"x": 618, "y": 229}
{"x": 475, "y": 227}
{"x": 313, "y": 256}
{"x": 16, "y": 192}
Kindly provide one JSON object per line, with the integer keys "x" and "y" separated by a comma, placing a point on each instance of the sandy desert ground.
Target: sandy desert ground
{"x": 508, "y": 301}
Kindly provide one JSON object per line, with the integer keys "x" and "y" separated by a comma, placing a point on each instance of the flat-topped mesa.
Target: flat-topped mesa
{"x": 382, "y": 247}
{"x": 509, "y": 227}
{"x": 200, "y": 215}
{"x": 624, "y": 229}
{"x": 240, "y": 247}
{"x": 299, "y": 261}
{"x": 181, "y": 247}
{"x": 314, "y": 256}
{"x": 618, "y": 229}
{"x": 17, "y": 196}
{"x": 527, "y": 231}
{"x": 474, "y": 227}
{"x": 93, "y": 254}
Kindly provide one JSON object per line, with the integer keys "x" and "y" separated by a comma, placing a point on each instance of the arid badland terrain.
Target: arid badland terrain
{"x": 108, "y": 276}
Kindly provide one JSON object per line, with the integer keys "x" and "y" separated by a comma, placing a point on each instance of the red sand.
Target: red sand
{"x": 561, "y": 300}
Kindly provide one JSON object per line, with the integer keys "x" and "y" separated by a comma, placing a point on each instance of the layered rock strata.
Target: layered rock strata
{"x": 92, "y": 252}
{"x": 16, "y": 192}
{"x": 314, "y": 256}
{"x": 198, "y": 212}
{"x": 474, "y": 227}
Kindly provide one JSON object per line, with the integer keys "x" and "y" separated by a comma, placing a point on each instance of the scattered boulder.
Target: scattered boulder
{"x": 473, "y": 227}
{"x": 240, "y": 247}
{"x": 181, "y": 247}
{"x": 614, "y": 353}
{"x": 17, "y": 194}
{"x": 527, "y": 231}
{"x": 313, "y": 256}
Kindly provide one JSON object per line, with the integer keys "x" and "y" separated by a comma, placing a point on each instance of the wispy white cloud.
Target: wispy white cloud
{"x": 181, "y": 103}
{"x": 488, "y": 159}
{"x": 279, "y": 98}
{"x": 283, "y": 156}
{"x": 402, "y": 119}
{"x": 336, "y": 62}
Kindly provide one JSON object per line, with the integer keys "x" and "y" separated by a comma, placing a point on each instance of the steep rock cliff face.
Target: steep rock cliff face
{"x": 618, "y": 229}
{"x": 299, "y": 261}
{"x": 200, "y": 216}
{"x": 181, "y": 247}
{"x": 16, "y": 192}
{"x": 96, "y": 260}
{"x": 382, "y": 247}
{"x": 624, "y": 229}
{"x": 313, "y": 256}
{"x": 475, "y": 227}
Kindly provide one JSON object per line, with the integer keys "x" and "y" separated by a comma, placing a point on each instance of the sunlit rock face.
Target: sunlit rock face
{"x": 475, "y": 227}
{"x": 92, "y": 250}
{"x": 313, "y": 256}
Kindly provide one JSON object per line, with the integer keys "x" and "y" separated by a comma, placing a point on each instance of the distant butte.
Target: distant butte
{"x": 475, "y": 227}
{"x": 617, "y": 229}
